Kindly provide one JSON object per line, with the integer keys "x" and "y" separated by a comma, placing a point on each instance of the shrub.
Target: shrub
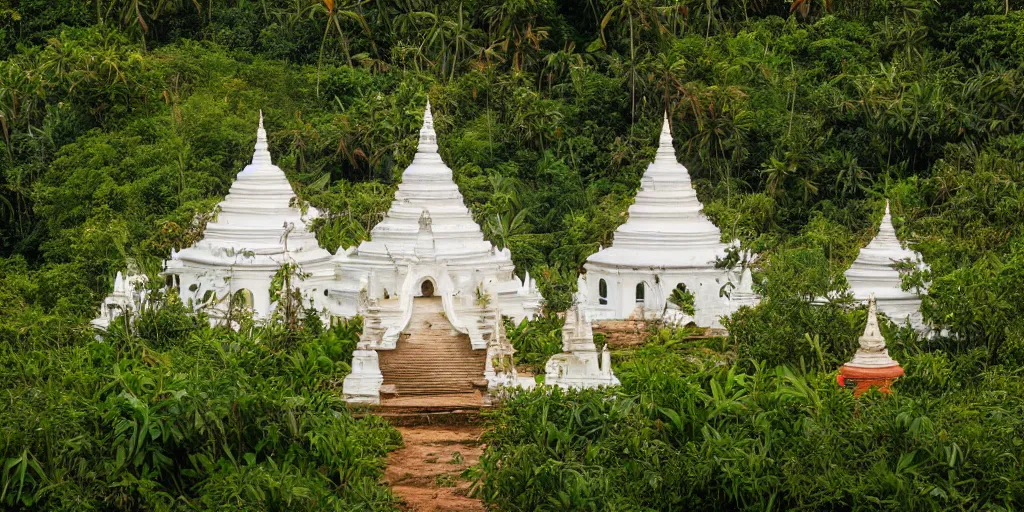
{"x": 681, "y": 436}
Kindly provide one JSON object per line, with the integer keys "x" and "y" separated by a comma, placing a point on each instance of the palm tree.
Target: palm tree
{"x": 514, "y": 24}
{"x": 449, "y": 39}
{"x": 640, "y": 15}
{"x": 334, "y": 14}
{"x": 500, "y": 228}
{"x": 559, "y": 64}
{"x": 852, "y": 177}
{"x": 776, "y": 173}
{"x": 135, "y": 12}
{"x": 665, "y": 73}
{"x": 460, "y": 35}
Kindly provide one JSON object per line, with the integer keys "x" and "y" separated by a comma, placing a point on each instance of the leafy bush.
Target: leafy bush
{"x": 535, "y": 341}
{"x": 684, "y": 435}
{"x": 181, "y": 414}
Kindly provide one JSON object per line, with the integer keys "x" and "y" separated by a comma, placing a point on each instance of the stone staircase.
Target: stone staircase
{"x": 431, "y": 358}
{"x": 622, "y": 333}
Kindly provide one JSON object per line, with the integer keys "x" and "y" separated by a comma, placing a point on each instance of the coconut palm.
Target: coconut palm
{"x": 335, "y": 13}
{"x": 639, "y": 16}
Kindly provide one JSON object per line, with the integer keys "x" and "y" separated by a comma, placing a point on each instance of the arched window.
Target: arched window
{"x": 640, "y": 292}
{"x": 427, "y": 288}
{"x": 602, "y": 292}
{"x": 243, "y": 298}
{"x": 682, "y": 298}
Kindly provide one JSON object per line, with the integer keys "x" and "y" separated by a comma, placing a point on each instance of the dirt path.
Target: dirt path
{"x": 426, "y": 473}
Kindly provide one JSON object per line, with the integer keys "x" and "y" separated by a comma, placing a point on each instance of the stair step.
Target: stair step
{"x": 431, "y": 358}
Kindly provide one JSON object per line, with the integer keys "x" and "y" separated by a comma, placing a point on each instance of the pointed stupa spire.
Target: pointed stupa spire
{"x": 253, "y": 220}
{"x": 746, "y": 281}
{"x": 872, "y": 352}
{"x": 873, "y": 273}
{"x": 427, "y": 187}
{"x": 666, "y": 227}
{"x": 871, "y": 329}
{"x": 577, "y": 333}
{"x": 261, "y": 153}
{"x": 886, "y": 238}
{"x": 665, "y": 149}
{"x": 428, "y": 137}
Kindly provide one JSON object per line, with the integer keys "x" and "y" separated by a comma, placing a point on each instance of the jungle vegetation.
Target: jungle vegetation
{"x": 123, "y": 122}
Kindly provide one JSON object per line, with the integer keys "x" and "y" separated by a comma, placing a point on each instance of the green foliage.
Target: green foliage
{"x": 682, "y": 298}
{"x": 535, "y": 340}
{"x": 183, "y": 415}
{"x": 124, "y": 122}
{"x": 683, "y": 434}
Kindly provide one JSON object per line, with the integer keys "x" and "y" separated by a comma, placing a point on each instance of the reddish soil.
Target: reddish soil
{"x": 426, "y": 474}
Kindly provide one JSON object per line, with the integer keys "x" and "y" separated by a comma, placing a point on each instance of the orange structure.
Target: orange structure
{"x": 871, "y": 366}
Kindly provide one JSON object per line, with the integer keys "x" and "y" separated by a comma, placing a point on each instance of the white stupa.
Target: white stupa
{"x": 257, "y": 228}
{"x": 427, "y": 246}
{"x": 127, "y": 299}
{"x": 666, "y": 242}
{"x": 874, "y": 272}
{"x": 871, "y": 351}
{"x": 580, "y": 365}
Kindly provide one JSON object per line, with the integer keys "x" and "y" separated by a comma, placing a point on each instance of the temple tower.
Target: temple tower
{"x": 665, "y": 244}
{"x": 128, "y": 298}
{"x": 874, "y": 273}
{"x": 256, "y": 229}
{"x": 427, "y": 264}
{"x": 871, "y": 366}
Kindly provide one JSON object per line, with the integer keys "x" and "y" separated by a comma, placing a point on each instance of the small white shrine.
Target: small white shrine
{"x": 871, "y": 366}
{"x": 428, "y": 248}
{"x": 665, "y": 244}
{"x": 580, "y": 365}
{"x": 874, "y": 273}
{"x": 128, "y": 298}
{"x": 256, "y": 229}
{"x": 871, "y": 350}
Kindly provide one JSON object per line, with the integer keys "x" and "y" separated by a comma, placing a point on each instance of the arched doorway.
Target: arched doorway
{"x": 243, "y": 299}
{"x": 602, "y": 292}
{"x": 427, "y": 288}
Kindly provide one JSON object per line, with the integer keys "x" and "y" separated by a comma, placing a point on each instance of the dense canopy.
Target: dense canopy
{"x": 124, "y": 122}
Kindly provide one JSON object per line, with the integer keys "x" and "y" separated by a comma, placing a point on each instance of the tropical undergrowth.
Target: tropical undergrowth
{"x": 171, "y": 414}
{"x": 124, "y": 122}
{"x": 686, "y": 432}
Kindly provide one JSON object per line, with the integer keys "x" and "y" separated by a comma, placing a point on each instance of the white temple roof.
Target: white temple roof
{"x": 427, "y": 186}
{"x": 250, "y": 223}
{"x": 873, "y": 273}
{"x": 665, "y": 227}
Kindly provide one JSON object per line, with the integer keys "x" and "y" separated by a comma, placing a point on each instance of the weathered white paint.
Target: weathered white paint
{"x": 128, "y": 298}
{"x": 872, "y": 352}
